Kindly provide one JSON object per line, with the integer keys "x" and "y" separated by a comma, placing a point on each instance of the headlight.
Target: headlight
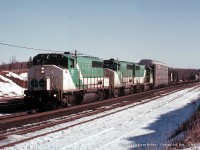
{"x": 42, "y": 70}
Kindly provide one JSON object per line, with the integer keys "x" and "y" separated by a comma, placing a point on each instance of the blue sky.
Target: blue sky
{"x": 163, "y": 30}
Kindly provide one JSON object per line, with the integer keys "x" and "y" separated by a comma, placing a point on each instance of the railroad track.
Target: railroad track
{"x": 18, "y": 114}
{"x": 120, "y": 105}
{"x": 11, "y": 105}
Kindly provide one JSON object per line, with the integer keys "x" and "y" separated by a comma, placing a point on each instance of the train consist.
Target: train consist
{"x": 66, "y": 79}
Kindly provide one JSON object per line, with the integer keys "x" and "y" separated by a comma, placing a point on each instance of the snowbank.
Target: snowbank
{"x": 8, "y": 88}
{"x": 22, "y": 76}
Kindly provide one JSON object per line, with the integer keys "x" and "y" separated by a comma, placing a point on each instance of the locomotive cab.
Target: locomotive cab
{"x": 112, "y": 70}
{"x": 51, "y": 59}
{"x": 112, "y": 64}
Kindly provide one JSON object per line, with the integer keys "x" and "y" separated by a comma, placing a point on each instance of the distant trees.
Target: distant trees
{"x": 16, "y": 65}
{"x": 30, "y": 62}
{"x": 3, "y": 66}
{"x": 181, "y": 74}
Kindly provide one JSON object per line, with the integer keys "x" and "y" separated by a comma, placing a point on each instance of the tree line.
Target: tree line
{"x": 16, "y": 65}
{"x": 179, "y": 74}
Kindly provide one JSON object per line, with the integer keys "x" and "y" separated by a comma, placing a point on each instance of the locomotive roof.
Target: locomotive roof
{"x": 151, "y": 62}
{"x": 81, "y": 55}
{"x": 128, "y": 62}
{"x": 85, "y": 56}
{"x": 67, "y": 55}
{"x": 116, "y": 60}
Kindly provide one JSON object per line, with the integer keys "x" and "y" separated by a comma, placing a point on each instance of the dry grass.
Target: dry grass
{"x": 191, "y": 128}
{"x": 20, "y": 71}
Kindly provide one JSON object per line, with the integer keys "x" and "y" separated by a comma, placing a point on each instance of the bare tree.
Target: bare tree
{"x": 30, "y": 62}
{"x": 3, "y": 66}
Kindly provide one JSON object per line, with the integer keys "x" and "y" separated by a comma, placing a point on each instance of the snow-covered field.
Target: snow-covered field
{"x": 146, "y": 126}
{"x": 8, "y": 88}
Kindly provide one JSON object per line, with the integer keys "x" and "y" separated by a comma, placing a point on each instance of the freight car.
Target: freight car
{"x": 177, "y": 75}
{"x": 160, "y": 72}
{"x": 67, "y": 79}
{"x": 173, "y": 76}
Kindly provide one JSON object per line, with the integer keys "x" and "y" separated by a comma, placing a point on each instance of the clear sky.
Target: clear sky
{"x": 163, "y": 30}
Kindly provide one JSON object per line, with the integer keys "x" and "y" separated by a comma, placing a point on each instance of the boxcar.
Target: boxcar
{"x": 160, "y": 72}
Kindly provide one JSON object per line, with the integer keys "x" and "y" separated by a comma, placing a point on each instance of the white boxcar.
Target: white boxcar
{"x": 160, "y": 72}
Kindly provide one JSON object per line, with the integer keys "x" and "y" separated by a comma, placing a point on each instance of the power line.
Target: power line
{"x": 24, "y": 47}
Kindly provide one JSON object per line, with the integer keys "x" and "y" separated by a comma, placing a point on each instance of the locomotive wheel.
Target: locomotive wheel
{"x": 122, "y": 91}
{"x": 44, "y": 106}
{"x": 116, "y": 93}
{"x": 101, "y": 95}
{"x": 49, "y": 105}
{"x": 30, "y": 103}
{"x": 68, "y": 101}
{"x": 53, "y": 105}
{"x": 131, "y": 90}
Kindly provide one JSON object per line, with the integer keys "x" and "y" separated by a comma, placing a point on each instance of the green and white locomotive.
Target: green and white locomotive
{"x": 67, "y": 79}
{"x": 64, "y": 79}
{"x": 127, "y": 77}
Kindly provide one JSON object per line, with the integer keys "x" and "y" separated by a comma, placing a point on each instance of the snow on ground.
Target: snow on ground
{"x": 22, "y": 76}
{"x": 8, "y": 88}
{"x": 145, "y": 126}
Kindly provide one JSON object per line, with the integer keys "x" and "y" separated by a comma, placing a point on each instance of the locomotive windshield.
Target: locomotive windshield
{"x": 51, "y": 59}
{"x": 110, "y": 64}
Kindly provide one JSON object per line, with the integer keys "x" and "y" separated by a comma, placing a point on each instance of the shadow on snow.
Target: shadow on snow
{"x": 162, "y": 128}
